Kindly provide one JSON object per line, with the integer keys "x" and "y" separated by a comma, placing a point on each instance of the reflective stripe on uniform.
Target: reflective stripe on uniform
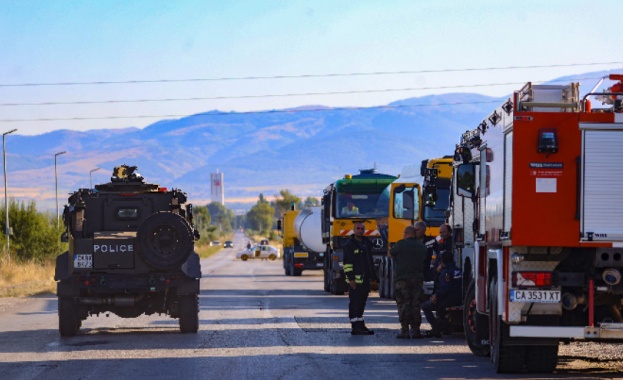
{"x": 358, "y": 279}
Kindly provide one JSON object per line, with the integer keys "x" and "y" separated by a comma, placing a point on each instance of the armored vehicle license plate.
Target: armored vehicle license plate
{"x": 301, "y": 254}
{"x": 83, "y": 261}
{"x": 536, "y": 296}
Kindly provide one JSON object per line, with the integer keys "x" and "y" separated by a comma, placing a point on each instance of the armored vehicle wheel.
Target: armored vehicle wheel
{"x": 68, "y": 319}
{"x": 244, "y": 257}
{"x": 469, "y": 322}
{"x": 189, "y": 313}
{"x": 297, "y": 272}
{"x": 272, "y": 257}
{"x": 164, "y": 240}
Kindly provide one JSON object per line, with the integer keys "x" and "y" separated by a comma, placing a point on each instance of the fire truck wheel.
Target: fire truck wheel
{"x": 189, "y": 313}
{"x": 164, "y": 240}
{"x": 68, "y": 319}
{"x": 505, "y": 358}
{"x": 542, "y": 359}
{"x": 469, "y": 322}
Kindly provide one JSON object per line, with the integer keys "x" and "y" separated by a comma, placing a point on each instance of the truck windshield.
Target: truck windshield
{"x": 435, "y": 216}
{"x": 362, "y": 205}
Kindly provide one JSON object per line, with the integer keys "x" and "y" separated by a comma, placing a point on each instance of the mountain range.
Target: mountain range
{"x": 302, "y": 149}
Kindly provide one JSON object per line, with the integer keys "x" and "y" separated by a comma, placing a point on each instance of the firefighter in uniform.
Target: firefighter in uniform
{"x": 358, "y": 270}
{"x": 409, "y": 255}
{"x": 447, "y": 293}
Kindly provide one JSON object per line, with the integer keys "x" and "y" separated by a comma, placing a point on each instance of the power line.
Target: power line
{"x": 349, "y": 92}
{"x": 222, "y": 113}
{"x": 303, "y": 76}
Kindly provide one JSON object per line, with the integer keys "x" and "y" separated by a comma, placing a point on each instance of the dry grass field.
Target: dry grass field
{"x": 24, "y": 279}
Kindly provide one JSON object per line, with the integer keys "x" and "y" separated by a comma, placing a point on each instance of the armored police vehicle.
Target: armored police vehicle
{"x": 131, "y": 252}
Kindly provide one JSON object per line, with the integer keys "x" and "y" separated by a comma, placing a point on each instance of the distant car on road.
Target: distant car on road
{"x": 228, "y": 244}
{"x": 215, "y": 243}
{"x": 264, "y": 252}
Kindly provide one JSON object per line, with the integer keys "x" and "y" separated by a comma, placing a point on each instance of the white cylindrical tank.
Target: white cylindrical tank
{"x": 308, "y": 228}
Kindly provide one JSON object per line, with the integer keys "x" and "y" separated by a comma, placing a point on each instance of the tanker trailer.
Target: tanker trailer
{"x": 302, "y": 240}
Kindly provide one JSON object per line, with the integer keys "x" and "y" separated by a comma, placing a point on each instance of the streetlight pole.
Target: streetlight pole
{"x": 56, "y": 186}
{"x": 91, "y": 178}
{"x": 7, "y": 230}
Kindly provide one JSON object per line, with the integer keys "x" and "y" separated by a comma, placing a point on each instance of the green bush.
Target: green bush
{"x": 35, "y": 235}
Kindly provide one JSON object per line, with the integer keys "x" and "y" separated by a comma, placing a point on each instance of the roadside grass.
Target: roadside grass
{"x": 30, "y": 278}
{"x": 26, "y": 279}
{"x": 205, "y": 250}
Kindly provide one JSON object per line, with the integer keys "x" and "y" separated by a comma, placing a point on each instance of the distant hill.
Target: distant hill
{"x": 302, "y": 149}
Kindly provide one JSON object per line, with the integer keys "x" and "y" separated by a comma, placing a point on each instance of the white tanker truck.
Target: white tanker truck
{"x": 302, "y": 240}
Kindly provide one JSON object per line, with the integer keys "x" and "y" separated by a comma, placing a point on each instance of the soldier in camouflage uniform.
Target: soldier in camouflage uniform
{"x": 409, "y": 255}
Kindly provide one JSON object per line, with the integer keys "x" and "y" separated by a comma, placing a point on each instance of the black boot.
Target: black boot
{"x": 364, "y": 328}
{"x": 415, "y": 332}
{"x": 404, "y": 332}
{"x": 358, "y": 328}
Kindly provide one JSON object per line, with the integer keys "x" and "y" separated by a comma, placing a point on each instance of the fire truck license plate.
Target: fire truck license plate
{"x": 537, "y": 296}
{"x": 83, "y": 261}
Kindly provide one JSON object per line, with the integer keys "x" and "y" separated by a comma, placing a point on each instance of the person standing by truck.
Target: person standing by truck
{"x": 409, "y": 255}
{"x": 359, "y": 270}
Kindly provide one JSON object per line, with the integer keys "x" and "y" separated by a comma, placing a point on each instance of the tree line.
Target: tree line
{"x": 263, "y": 215}
{"x": 35, "y": 235}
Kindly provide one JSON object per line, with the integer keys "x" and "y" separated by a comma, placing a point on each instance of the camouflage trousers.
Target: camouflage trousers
{"x": 408, "y": 296}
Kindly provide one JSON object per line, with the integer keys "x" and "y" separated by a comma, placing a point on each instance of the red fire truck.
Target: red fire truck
{"x": 537, "y": 211}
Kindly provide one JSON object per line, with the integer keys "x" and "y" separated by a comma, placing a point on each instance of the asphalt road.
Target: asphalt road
{"x": 256, "y": 323}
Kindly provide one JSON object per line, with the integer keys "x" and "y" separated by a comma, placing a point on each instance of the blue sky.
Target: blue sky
{"x": 120, "y": 41}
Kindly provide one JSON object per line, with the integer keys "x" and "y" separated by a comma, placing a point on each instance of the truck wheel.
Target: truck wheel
{"x": 297, "y": 272}
{"x": 189, "y": 313}
{"x": 542, "y": 359}
{"x": 391, "y": 288}
{"x": 244, "y": 257}
{"x": 68, "y": 319}
{"x": 469, "y": 322}
{"x": 164, "y": 240}
{"x": 335, "y": 287}
{"x": 505, "y": 358}
{"x": 272, "y": 257}
{"x": 326, "y": 281}
{"x": 286, "y": 265}
{"x": 382, "y": 283}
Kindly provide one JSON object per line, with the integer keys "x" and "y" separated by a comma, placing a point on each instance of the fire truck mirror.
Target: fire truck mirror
{"x": 465, "y": 180}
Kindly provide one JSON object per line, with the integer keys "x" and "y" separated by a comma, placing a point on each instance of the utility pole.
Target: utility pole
{"x": 7, "y": 229}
